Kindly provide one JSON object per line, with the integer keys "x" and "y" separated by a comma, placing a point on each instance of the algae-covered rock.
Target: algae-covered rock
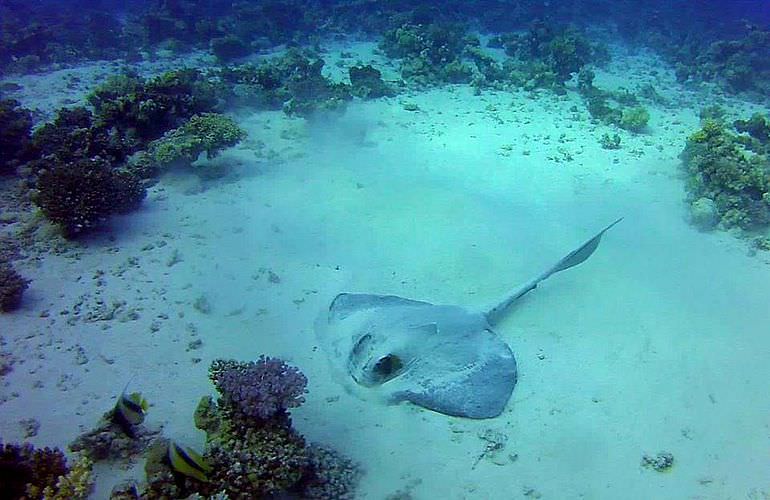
{"x": 704, "y": 214}
{"x": 634, "y": 119}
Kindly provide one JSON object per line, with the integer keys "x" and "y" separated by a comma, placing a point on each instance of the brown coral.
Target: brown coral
{"x": 25, "y": 470}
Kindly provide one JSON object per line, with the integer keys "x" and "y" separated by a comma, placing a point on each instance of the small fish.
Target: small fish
{"x": 130, "y": 410}
{"x": 188, "y": 462}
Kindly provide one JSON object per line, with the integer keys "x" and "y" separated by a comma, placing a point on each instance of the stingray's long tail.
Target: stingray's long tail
{"x": 572, "y": 259}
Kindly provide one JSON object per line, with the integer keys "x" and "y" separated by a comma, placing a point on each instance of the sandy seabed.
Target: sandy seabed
{"x": 658, "y": 343}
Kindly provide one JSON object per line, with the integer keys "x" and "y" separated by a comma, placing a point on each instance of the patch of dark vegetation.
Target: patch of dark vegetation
{"x": 15, "y": 127}
{"x": 12, "y": 286}
{"x": 547, "y": 56}
{"x": 292, "y": 82}
{"x": 619, "y": 107}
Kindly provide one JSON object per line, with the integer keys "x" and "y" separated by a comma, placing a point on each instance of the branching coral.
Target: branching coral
{"x": 258, "y": 389}
{"x": 27, "y": 471}
{"x": 252, "y": 449}
{"x": 79, "y": 196}
{"x": 75, "y": 485}
{"x": 72, "y": 136}
{"x": 143, "y": 110}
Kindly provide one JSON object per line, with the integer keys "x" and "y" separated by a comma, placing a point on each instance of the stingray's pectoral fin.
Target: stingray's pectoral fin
{"x": 346, "y": 304}
{"x": 479, "y": 389}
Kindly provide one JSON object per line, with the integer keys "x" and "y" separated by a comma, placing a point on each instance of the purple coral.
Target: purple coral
{"x": 258, "y": 389}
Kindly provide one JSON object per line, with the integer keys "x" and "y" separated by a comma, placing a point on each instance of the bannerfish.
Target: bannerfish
{"x": 188, "y": 462}
{"x": 130, "y": 410}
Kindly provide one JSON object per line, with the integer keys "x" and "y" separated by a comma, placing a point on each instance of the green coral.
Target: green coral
{"x": 207, "y": 132}
{"x": 634, "y": 119}
{"x": 723, "y": 170}
{"x": 143, "y": 110}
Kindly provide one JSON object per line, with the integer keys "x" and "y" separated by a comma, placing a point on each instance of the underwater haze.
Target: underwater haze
{"x": 378, "y": 249}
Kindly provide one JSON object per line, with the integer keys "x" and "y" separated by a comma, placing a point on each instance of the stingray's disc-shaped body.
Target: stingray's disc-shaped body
{"x": 443, "y": 358}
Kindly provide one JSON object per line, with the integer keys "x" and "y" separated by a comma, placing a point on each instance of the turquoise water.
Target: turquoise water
{"x": 641, "y": 372}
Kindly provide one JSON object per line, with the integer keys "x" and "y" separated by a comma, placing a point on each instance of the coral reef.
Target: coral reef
{"x": 74, "y": 485}
{"x": 662, "y": 462}
{"x": 79, "y": 196}
{"x": 612, "y": 107}
{"x": 329, "y": 475}
{"x": 430, "y": 53}
{"x": 610, "y": 142}
{"x": 74, "y": 136}
{"x": 366, "y": 82}
{"x": 27, "y": 471}
{"x": 723, "y": 170}
{"x": 143, "y": 110}
{"x": 229, "y": 47}
{"x": 15, "y": 126}
{"x": 758, "y": 127}
{"x": 252, "y": 449}
{"x": 207, "y": 132}
{"x": 36, "y": 34}
{"x": 109, "y": 441}
{"x": 12, "y": 286}
{"x": 704, "y": 214}
{"x": 634, "y": 119}
{"x": 263, "y": 459}
{"x": 547, "y": 56}
{"x": 292, "y": 82}
{"x": 738, "y": 65}
{"x": 258, "y": 389}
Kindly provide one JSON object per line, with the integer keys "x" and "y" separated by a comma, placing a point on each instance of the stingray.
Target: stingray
{"x": 445, "y": 358}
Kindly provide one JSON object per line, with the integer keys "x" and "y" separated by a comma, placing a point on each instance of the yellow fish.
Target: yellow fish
{"x": 130, "y": 410}
{"x": 188, "y": 462}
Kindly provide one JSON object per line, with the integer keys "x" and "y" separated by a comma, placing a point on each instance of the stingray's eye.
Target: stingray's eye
{"x": 388, "y": 367}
